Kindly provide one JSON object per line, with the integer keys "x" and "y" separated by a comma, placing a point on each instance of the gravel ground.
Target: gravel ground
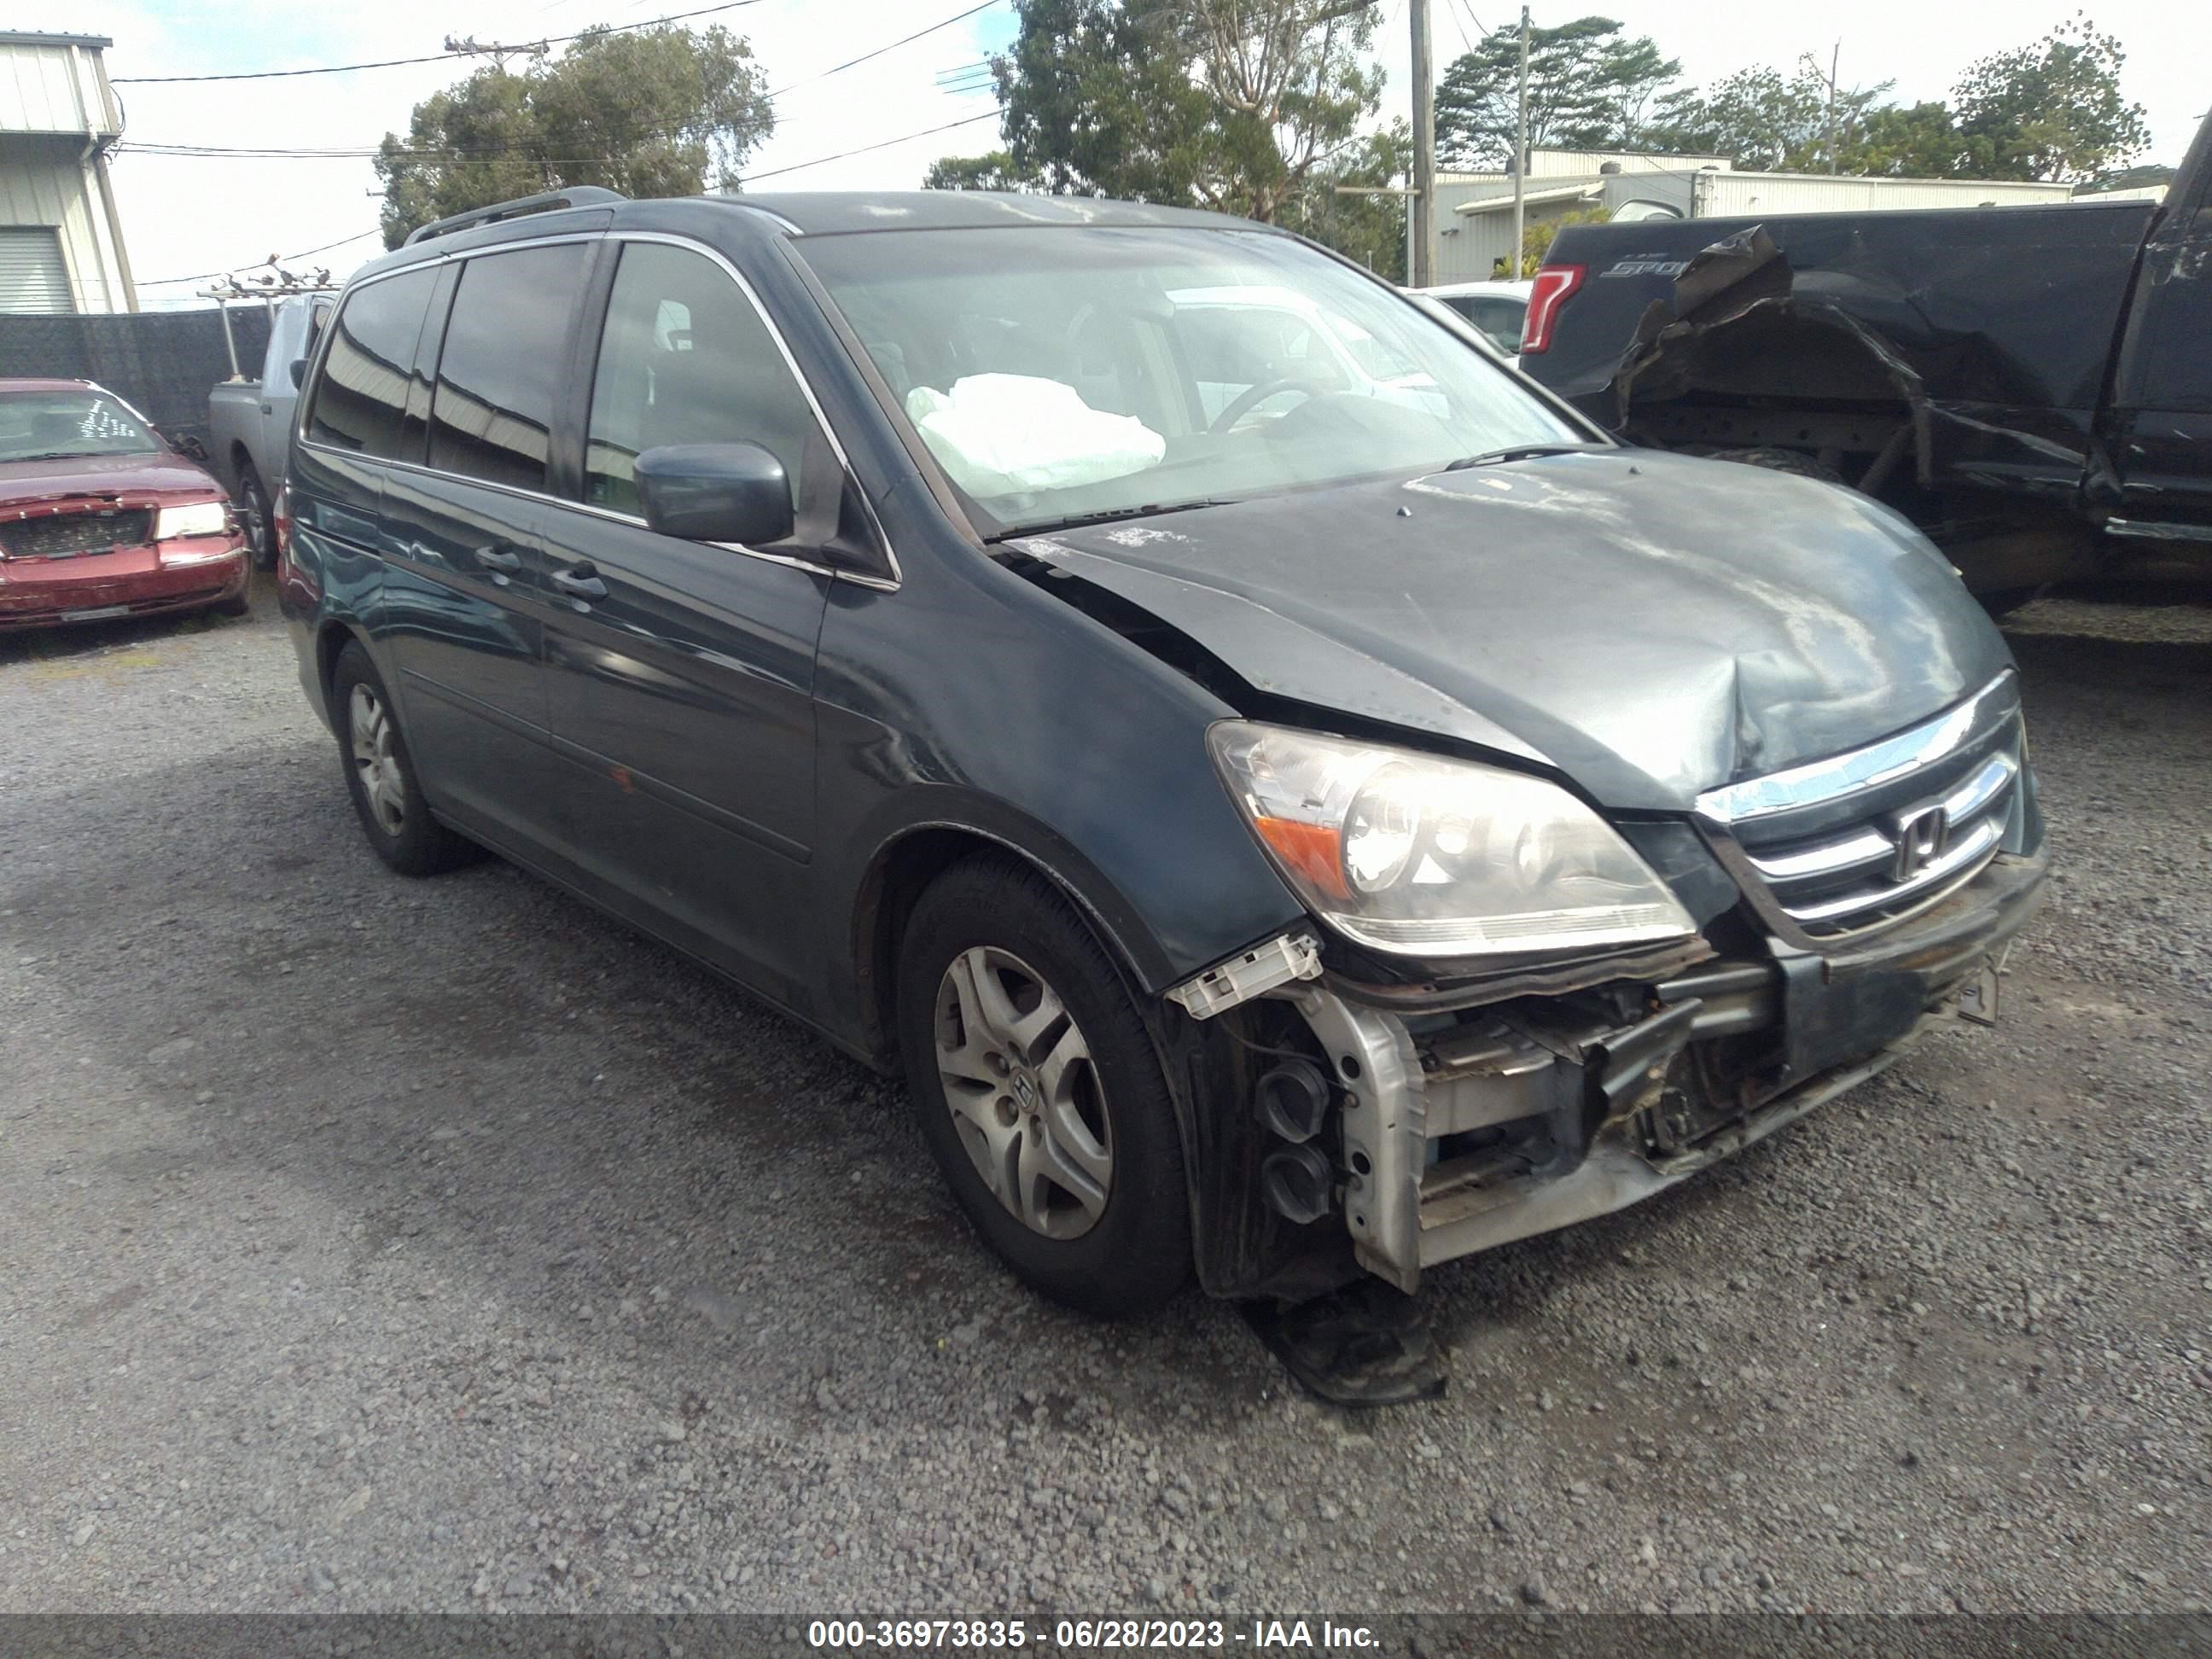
{"x": 382, "y": 1245}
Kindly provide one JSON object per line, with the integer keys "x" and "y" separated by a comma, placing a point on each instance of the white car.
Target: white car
{"x": 1498, "y": 309}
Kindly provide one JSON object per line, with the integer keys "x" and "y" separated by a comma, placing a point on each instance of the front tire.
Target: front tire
{"x": 254, "y": 517}
{"x": 1774, "y": 458}
{"x": 379, "y": 775}
{"x": 1039, "y": 1091}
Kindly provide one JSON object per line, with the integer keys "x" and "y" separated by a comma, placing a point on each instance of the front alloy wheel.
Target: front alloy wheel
{"x": 1040, "y": 1090}
{"x": 375, "y": 762}
{"x": 1023, "y": 1094}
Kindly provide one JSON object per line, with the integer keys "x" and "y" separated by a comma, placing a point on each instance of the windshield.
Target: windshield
{"x": 46, "y": 425}
{"x": 1061, "y": 373}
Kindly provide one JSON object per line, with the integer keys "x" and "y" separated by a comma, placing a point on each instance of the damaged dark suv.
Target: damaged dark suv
{"x": 1295, "y": 800}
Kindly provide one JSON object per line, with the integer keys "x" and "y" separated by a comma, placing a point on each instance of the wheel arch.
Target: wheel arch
{"x": 905, "y": 863}
{"x": 331, "y": 637}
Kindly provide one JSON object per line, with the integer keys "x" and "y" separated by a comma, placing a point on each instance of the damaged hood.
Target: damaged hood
{"x": 1651, "y": 625}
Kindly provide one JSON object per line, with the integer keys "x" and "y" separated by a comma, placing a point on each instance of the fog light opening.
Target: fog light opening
{"x": 1293, "y": 1099}
{"x": 1299, "y": 1182}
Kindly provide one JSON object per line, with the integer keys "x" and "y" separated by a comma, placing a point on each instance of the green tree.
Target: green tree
{"x": 994, "y": 170}
{"x": 1352, "y": 203}
{"x": 2133, "y": 177}
{"x": 1216, "y": 103}
{"x": 1093, "y": 102}
{"x": 1537, "y": 237}
{"x": 1921, "y": 141}
{"x": 2053, "y": 109}
{"x": 1767, "y": 122}
{"x": 657, "y": 112}
{"x": 1589, "y": 88}
{"x": 1289, "y": 83}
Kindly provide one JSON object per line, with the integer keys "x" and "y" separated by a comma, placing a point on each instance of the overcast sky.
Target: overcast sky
{"x": 185, "y": 215}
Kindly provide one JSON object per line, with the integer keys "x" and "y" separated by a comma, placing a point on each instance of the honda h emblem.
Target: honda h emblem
{"x": 1923, "y": 833}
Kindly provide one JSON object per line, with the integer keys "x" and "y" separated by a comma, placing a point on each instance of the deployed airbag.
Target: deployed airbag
{"x": 1000, "y": 435}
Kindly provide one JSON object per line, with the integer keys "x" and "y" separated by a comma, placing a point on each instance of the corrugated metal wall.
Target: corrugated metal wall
{"x": 42, "y": 182}
{"x": 53, "y": 87}
{"x": 1741, "y": 195}
{"x": 54, "y": 101}
{"x": 1468, "y": 244}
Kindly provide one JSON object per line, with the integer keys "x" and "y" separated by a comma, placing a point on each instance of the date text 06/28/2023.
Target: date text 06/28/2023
{"x": 1093, "y": 1635}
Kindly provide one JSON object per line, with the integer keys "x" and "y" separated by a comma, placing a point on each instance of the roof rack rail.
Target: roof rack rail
{"x": 544, "y": 202}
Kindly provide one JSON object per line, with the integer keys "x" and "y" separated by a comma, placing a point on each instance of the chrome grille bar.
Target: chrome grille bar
{"x": 1823, "y": 780}
{"x": 1853, "y": 840}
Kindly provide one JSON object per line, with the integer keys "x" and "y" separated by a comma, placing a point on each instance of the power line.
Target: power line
{"x": 550, "y": 161}
{"x": 433, "y": 57}
{"x": 853, "y": 63}
{"x": 801, "y": 167}
{"x": 202, "y": 277}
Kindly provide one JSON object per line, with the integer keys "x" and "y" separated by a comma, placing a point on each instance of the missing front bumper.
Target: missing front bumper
{"x": 1462, "y": 1133}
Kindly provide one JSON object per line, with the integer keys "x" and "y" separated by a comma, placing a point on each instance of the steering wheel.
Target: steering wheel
{"x": 1252, "y": 397}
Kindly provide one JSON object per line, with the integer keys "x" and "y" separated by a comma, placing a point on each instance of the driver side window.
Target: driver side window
{"x": 685, "y": 359}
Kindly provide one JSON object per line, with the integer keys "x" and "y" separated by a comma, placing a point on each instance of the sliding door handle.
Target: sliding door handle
{"x": 582, "y": 582}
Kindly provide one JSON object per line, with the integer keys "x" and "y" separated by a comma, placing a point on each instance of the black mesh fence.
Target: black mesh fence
{"x": 163, "y": 363}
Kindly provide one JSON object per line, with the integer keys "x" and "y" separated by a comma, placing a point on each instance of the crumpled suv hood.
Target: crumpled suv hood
{"x": 1651, "y": 625}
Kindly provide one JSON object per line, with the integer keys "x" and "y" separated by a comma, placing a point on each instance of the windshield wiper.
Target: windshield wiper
{"x": 1522, "y": 452}
{"x": 62, "y": 455}
{"x": 1077, "y": 520}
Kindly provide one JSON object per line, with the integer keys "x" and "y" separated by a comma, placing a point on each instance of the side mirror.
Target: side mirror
{"x": 299, "y": 372}
{"x": 715, "y": 493}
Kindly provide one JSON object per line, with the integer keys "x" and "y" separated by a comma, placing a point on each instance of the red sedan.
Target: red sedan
{"x": 99, "y": 518}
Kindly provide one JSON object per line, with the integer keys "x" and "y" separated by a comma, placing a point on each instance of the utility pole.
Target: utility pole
{"x": 1520, "y": 159}
{"x": 1421, "y": 204}
{"x": 469, "y": 46}
{"x": 1835, "y": 62}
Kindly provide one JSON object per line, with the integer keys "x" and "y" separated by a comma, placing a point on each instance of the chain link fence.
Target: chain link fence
{"x": 163, "y": 363}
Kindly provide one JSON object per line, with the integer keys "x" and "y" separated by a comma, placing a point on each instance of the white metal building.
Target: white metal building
{"x": 1474, "y": 210}
{"x": 61, "y": 241}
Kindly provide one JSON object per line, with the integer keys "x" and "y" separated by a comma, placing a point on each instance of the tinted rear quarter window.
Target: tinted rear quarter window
{"x": 363, "y": 385}
{"x": 505, "y": 358}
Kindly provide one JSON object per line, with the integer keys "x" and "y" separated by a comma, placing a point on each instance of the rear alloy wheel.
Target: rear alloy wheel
{"x": 375, "y": 764}
{"x": 1040, "y": 1091}
{"x": 381, "y": 777}
{"x": 254, "y": 517}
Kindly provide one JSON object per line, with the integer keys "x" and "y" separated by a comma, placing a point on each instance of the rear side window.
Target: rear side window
{"x": 500, "y": 374}
{"x": 363, "y": 385}
{"x": 685, "y": 359}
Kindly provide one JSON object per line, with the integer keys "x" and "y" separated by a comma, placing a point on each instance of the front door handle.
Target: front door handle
{"x": 499, "y": 558}
{"x": 581, "y": 582}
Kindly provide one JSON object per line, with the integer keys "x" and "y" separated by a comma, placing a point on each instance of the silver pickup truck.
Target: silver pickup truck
{"x": 249, "y": 421}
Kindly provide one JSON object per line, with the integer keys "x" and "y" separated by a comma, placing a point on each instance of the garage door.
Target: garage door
{"x": 32, "y": 275}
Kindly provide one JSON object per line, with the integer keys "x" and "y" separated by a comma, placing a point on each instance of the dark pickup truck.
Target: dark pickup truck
{"x": 2030, "y": 385}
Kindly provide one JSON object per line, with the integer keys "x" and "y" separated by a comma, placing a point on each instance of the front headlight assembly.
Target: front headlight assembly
{"x": 194, "y": 518}
{"x": 1419, "y": 856}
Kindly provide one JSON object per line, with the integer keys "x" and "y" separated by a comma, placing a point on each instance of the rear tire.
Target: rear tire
{"x": 379, "y": 775}
{"x": 1057, "y": 1085}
